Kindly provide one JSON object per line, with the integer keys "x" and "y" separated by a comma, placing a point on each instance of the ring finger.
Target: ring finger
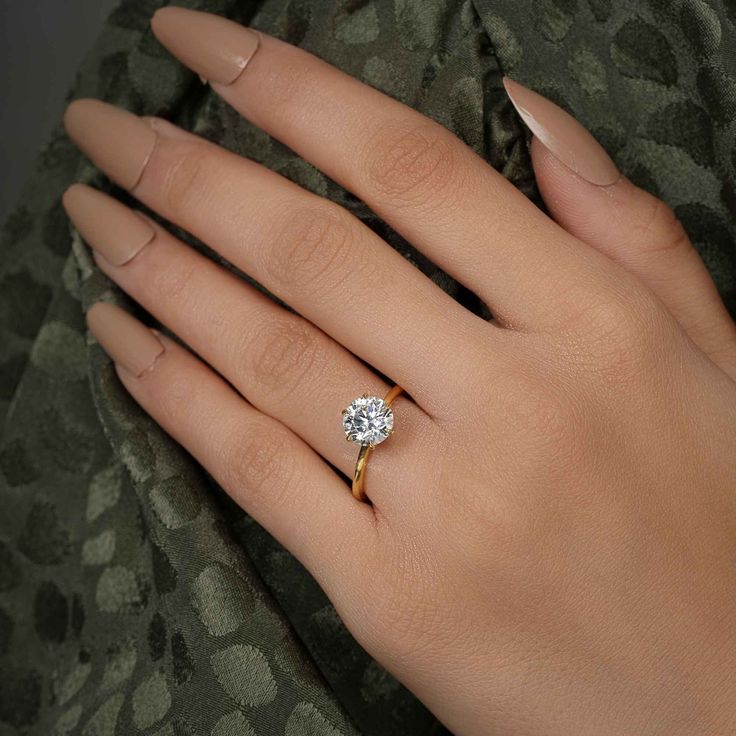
{"x": 281, "y": 363}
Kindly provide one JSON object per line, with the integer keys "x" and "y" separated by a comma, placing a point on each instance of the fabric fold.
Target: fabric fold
{"x": 135, "y": 597}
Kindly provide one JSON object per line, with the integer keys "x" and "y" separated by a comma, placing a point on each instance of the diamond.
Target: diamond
{"x": 369, "y": 420}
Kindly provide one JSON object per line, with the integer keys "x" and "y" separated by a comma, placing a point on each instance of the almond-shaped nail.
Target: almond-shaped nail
{"x": 563, "y": 136}
{"x": 109, "y": 227}
{"x": 126, "y": 340}
{"x": 214, "y": 47}
{"x": 117, "y": 141}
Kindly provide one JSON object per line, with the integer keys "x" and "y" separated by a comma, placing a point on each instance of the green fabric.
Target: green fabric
{"x": 134, "y": 596}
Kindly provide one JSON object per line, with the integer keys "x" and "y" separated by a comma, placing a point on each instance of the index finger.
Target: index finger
{"x": 414, "y": 173}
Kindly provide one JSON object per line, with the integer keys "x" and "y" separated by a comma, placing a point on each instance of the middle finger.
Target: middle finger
{"x": 409, "y": 169}
{"x": 313, "y": 254}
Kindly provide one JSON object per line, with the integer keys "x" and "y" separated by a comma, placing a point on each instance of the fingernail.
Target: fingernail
{"x": 214, "y": 47}
{"x": 563, "y": 136}
{"x": 117, "y": 141}
{"x": 109, "y": 227}
{"x": 126, "y": 340}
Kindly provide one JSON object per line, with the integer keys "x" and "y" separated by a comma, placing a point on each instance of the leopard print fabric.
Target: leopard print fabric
{"x": 135, "y": 598}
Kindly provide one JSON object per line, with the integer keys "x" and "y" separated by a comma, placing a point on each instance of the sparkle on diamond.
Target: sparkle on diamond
{"x": 368, "y": 420}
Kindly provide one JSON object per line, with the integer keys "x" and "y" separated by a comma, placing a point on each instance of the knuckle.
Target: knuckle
{"x": 406, "y": 164}
{"x": 657, "y": 229}
{"x": 529, "y": 399}
{"x": 173, "y": 394}
{"x": 283, "y": 355}
{"x": 470, "y": 511}
{"x": 286, "y": 83}
{"x": 545, "y": 414}
{"x": 173, "y": 285}
{"x": 622, "y": 333}
{"x": 260, "y": 464}
{"x": 544, "y": 419}
{"x": 186, "y": 175}
{"x": 313, "y": 249}
{"x": 615, "y": 320}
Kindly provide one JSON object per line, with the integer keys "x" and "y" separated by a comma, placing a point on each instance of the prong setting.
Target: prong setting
{"x": 368, "y": 421}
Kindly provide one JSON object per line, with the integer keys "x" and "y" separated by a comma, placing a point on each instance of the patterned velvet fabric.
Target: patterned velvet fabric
{"x": 134, "y": 596}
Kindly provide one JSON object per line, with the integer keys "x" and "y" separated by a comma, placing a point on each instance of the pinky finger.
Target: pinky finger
{"x": 269, "y": 471}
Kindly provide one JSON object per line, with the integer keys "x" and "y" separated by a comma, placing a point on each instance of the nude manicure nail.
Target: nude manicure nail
{"x": 126, "y": 340}
{"x": 109, "y": 227}
{"x": 117, "y": 141}
{"x": 214, "y": 47}
{"x": 563, "y": 136}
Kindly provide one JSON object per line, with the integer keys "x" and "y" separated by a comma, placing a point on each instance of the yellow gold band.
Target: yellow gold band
{"x": 365, "y": 451}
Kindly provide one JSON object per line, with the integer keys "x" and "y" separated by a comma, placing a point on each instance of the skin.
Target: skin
{"x": 552, "y": 537}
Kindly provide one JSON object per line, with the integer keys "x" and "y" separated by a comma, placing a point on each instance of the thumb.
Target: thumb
{"x": 586, "y": 195}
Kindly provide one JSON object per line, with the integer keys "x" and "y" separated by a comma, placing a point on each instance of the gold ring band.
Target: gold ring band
{"x": 365, "y": 451}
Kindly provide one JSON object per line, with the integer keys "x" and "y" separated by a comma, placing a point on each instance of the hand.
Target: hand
{"x": 551, "y": 543}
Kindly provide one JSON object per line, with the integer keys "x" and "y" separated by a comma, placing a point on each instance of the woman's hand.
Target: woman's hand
{"x": 551, "y": 545}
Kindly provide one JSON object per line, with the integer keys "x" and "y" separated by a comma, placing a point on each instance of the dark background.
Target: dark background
{"x": 42, "y": 43}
